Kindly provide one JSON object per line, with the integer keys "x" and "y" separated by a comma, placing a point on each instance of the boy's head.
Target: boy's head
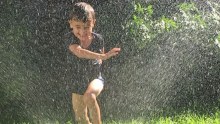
{"x": 82, "y": 12}
{"x": 82, "y": 21}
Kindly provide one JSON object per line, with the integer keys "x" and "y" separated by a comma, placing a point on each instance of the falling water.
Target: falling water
{"x": 179, "y": 70}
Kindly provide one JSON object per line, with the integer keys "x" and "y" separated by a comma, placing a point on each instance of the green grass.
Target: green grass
{"x": 188, "y": 118}
{"x": 185, "y": 118}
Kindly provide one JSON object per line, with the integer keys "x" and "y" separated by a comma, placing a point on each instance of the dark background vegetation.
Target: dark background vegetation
{"x": 175, "y": 69}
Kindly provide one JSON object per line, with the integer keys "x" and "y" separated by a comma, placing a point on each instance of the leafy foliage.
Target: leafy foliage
{"x": 144, "y": 27}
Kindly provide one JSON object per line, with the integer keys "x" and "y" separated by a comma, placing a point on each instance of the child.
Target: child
{"x": 88, "y": 50}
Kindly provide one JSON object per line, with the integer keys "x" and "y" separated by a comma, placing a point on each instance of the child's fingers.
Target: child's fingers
{"x": 116, "y": 49}
{"x": 113, "y": 52}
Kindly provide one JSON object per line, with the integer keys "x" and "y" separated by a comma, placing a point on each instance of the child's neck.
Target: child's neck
{"x": 86, "y": 43}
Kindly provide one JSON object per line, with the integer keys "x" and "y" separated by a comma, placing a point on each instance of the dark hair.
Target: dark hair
{"x": 82, "y": 12}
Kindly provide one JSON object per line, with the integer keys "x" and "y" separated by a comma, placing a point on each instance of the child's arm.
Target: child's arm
{"x": 83, "y": 53}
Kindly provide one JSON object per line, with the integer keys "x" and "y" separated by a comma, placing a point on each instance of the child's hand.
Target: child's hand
{"x": 112, "y": 52}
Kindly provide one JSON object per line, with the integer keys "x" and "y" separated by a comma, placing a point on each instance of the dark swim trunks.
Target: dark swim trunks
{"x": 83, "y": 71}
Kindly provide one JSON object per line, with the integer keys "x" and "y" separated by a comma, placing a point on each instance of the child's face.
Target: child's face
{"x": 82, "y": 30}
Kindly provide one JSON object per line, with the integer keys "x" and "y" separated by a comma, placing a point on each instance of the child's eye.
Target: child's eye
{"x": 70, "y": 29}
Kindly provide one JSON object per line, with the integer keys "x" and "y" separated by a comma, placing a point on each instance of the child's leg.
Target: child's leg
{"x": 80, "y": 109}
{"x": 93, "y": 90}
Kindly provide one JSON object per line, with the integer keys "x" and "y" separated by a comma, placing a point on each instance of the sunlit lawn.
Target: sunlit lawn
{"x": 187, "y": 118}
{"x": 179, "y": 119}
